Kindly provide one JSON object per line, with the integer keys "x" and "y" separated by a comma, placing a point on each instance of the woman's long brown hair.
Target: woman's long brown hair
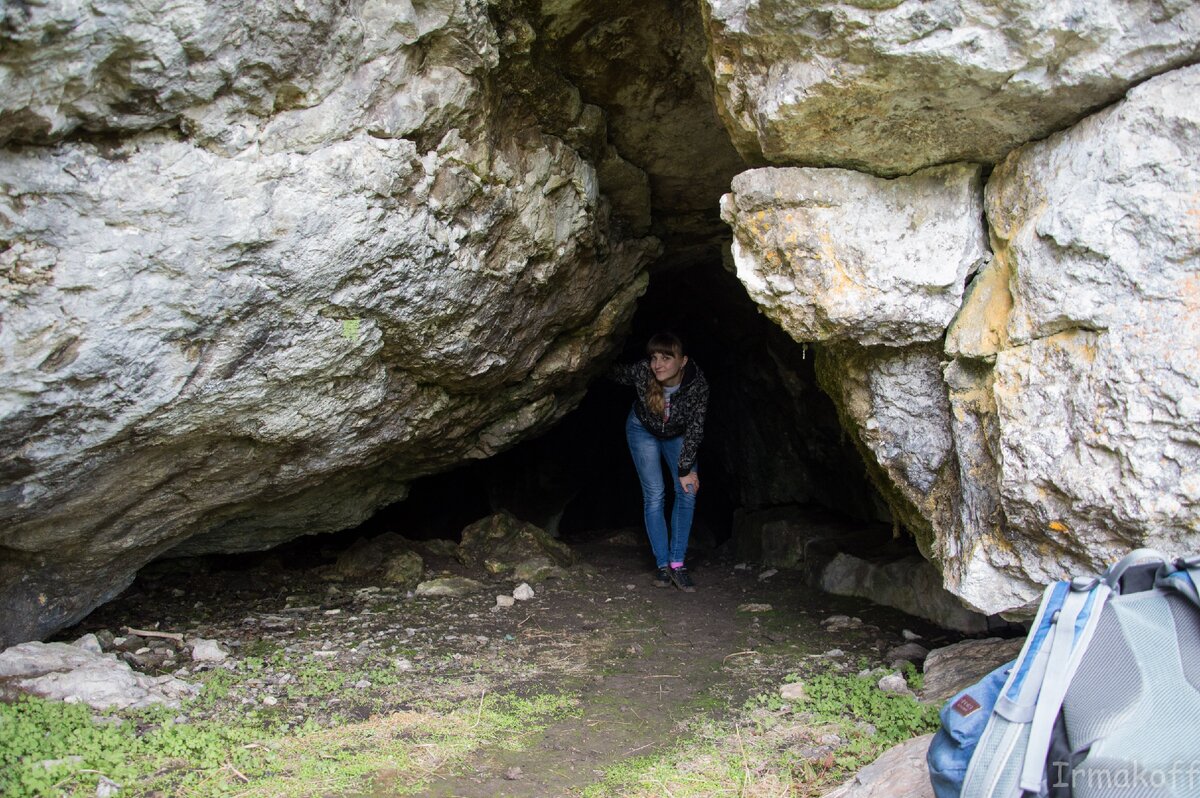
{"x": 663, "y": 343}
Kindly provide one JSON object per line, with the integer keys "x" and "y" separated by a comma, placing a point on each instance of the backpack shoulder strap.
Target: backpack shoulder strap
{"x": 1183, "y": 580}
{"x": 1074, "y": 626}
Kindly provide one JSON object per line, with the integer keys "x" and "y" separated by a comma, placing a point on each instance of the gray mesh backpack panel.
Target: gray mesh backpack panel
{"x": 1107, "y": 684}
{"x": 1149, "y": 747}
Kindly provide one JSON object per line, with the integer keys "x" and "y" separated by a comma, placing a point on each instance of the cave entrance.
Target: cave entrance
{"x": 773, "y": 445}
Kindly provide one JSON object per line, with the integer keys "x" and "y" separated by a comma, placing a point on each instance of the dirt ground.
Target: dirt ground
{"x": 644, "y": 665}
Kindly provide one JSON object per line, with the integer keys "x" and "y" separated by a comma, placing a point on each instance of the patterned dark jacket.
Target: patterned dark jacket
{"x": 688, "y": 407}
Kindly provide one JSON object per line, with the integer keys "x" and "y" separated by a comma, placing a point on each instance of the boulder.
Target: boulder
{"x": 1077, "y": 368}
{"x": 900, "y": 772}
{"x": 68, "y": 673}
{"x": 403, "y": 569}
{"x": 890, "y": 87}
{"x": 955, "y": 667}
{"x": 501, "y": 541}
{"x": 537, "y": 569}
{"x": 456, "y": 586}
{"x": 836, "y": 255}
{"x": 911, "y": 585}
{"x": 234, "y": 315}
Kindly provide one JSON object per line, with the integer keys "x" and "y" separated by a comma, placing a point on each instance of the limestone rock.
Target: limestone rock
{"x": 68, "y": 673}
{"x": 537, "y": 569}
{"x": 900, "y": 772}
{"x": 449, "y": 586}
{"x": 954, "y": 667}
{"x": 894, "y": 683}
{"x": 1085, "y": 381}
{"x": 835, "y": 255}
{"x": 912, "y": 585}
{"x": 403, "y": 569}
{"x": 894, "y": 404}
{"x": 506, "y": 541}
{"x": 793, "y": 691}
{"x": 908, "y": 652}
{"x": 258, "y": 306}
{"x": 207, "y": 651}
{"x": 891, "y": 87}
{"x": 523, "y": 592}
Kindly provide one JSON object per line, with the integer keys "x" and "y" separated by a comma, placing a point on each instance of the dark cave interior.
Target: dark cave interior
{"x": 772, "y": 442}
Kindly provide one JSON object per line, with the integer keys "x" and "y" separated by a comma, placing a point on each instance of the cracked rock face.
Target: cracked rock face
{"x": 313, "y": 256}
{"x": 1096, "y": 348}
{"x": 891, "y": 86}
{"x": 1053, "y": 428}
{"x": 835, "y": 255}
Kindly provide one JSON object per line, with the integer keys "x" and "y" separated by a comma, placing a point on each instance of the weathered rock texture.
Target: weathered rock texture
{"x": 1093, "y": 389}
{"x": 835, "y": 255}
{"x": 315, "y": 253}
{"x": 912, "y": 585}
{"x": 891, "y": 86}
{"x": 71, "y": 673}
{"x": 1053, "y": 427}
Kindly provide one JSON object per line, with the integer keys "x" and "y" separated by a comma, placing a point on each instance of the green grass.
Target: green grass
{"x": 756, "y": 753}
{"x": 252, "y": 755}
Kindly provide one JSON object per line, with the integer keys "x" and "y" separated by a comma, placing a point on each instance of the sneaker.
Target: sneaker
{"x": 662, "y": 578}
{"x": 682, "y": 581}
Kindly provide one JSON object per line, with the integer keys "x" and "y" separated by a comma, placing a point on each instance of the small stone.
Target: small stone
{"x": 767, "y": 574}
{"x": 909, "y": 652}
{"x": 523, "y": 592}
{"x": 107, "y": 788}
{"x": 207, "y": 651}
{"x": 894, "y": 683}
{"x": 333, "y": 612}
{"x": 513, "y": 773}
{"x": 793, "y": 691}
{"x": 270, "y": 700}
{"x": 909, "y": 635}
{"x": 403, "y": 665}
{"x": 362, "y": 684}
{"x": 505, "y": 601}
{"x": 631, "y": 587}
{"x": 89, "y": 642}
{"x": 834, "y": 652}
{"x": 755, "y": 608}
{"x": 741, "y": 567}
{"x": 836, "y": 623}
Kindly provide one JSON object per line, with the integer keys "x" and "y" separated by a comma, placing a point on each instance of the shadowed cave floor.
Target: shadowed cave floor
{"x": 600, "y": 685}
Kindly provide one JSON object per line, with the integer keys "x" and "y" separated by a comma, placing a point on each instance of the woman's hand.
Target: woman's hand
{"x": 690, "y": 483}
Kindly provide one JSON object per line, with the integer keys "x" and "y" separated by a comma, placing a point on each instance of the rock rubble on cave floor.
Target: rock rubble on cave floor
{"x": 304, "y": 649}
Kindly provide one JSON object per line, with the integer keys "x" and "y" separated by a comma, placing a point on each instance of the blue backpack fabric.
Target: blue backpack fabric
{"x": 1080, "y": 712}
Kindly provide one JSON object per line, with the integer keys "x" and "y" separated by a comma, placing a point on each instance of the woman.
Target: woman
{"x": 666, "y": 423}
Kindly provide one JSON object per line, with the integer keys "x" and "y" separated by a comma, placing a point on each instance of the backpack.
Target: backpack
{"x": 1102, "y": 702}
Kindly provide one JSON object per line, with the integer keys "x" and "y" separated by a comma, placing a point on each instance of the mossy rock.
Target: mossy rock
{"x": 449, "y": 586}
{"x": 404, "y": 569}
{"x": 502, "y": 541}
{"x": 538, "y": 569}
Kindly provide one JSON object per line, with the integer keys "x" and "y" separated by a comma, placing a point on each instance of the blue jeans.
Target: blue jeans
{"x": 648, "y": 452}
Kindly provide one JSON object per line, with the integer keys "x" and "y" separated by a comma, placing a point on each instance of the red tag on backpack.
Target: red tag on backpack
{"x": 965, "y": 705}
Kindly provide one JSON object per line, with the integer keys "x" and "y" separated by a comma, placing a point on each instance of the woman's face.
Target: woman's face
{"x": 667, "y": 368}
